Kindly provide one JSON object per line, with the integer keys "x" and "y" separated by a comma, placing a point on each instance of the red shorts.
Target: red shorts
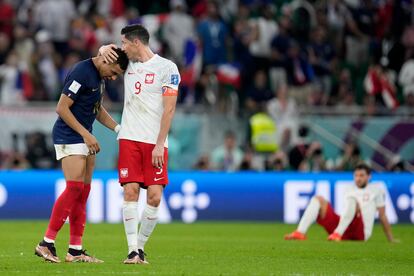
{"x": 135, "y": 164}
{"x": 355, "y": 230}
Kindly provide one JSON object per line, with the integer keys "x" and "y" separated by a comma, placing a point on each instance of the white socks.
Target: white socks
{"x": 347, "y": 217}
{"x": 148, "y": 222}
{"x": 130, "y": 216}
{"x": 310, "y": 215}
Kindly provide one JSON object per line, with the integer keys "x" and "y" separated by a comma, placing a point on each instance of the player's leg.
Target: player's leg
{"x": 130, "y": 171}
{"x": 317, "y": 208}
{"x": 130, "y": 215}
{"x": 77, "y": 219}
{"x": 149, "y": 217}
{"x": 73, "y": 167}
{"x": 155, "y": 180}
{"x": 345, "y": 221}
{"x": 355, "y": 230}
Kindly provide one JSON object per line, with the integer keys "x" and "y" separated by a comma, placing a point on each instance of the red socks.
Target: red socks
{"x": 63, "y": 207}
{"x": 77, "y": 217}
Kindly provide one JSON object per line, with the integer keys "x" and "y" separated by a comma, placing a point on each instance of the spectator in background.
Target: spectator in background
{"x": 351, "y": 157}
{"x": 314, "y": 160}
{"x": 5, "y": 47}
{"x": 213, "y": 33}
{"x": 178, "y": 28}
{"x": 279, "y": 48}
{"x": 338, "y": 17}
{"x": 342, "y": 94}
{"x": 264, "y": 29}
{"x": 396, "y": 164}
{"x": 10, "y": 92}
{"x": 242, "y": 38}
{"x": 7, "y": 16}
{"x": 55, "y": 16}
{"x": 277, "y": 162}
{"x": 262, "y": 133}
{"x": 283, "y": 111}
{"x": 228, "y": 156}
{"x": 298, "y": 152}
{"x": 14, "y": 160}
{"x": 303, "y": 18}
{"x": 23, "y": 45}
{"x": 299, "y": 74}
{"x": 203, "y": 163}
{"x": 39, "y": 154}
{"x": 406, "y": 80}
{"x": 379, "y": 82}
{"x": 259, "y": 92}
{"x": 359, "y": 32}
{"x": 322, "y": 58}
{"x": 46, "y": 67}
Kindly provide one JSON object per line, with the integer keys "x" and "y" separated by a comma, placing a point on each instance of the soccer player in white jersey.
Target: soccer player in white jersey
{"x": 362, "y": 203}
{"x": 151, "y": 89}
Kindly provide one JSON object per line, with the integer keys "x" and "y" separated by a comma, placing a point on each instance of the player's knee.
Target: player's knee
{"x": 154, "y": 200}
{"x": 130, "y": 193}
{"x": 320, "y": 199}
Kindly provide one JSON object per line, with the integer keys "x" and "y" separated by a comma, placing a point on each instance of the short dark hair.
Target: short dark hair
{"x": 136, "y": 31}
{"x": 122, "y": 59}
{"x": 363, "y": 166}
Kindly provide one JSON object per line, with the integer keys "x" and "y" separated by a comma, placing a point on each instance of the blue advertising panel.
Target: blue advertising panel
{"x": 193, "y": 196}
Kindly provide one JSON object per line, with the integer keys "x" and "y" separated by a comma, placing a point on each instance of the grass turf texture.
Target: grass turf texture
{"x": 211, "y": 249}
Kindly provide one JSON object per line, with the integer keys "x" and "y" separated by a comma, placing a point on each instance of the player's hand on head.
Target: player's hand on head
{"x": 92, "y": 144}
{"x": 158, "y": 156}
{"x": 108, "y": 53}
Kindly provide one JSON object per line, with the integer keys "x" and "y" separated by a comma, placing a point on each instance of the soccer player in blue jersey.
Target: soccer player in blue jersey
{"x": 78, "y": 107}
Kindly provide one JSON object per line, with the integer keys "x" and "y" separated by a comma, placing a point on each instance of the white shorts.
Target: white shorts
{"x": 71, "y": 149}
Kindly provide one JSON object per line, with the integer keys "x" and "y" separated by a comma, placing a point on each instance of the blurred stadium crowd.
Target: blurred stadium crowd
{"x": 237, "y": 57}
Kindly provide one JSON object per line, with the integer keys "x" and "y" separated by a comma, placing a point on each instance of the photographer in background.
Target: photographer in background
{"x": 314, "y": 159}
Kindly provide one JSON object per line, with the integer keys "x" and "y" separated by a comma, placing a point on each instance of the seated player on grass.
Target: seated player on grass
{"x": 362, "y": 202}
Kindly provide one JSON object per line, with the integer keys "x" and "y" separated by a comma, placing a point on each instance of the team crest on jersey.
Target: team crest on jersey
{"x": 174, "y": 79}
{"x": 149, "y": 78}
{"x": 123, "y": 172}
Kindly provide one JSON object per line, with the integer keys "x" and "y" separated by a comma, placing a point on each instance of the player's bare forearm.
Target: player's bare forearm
{"x": 166, "y": 119}
{"x": 387, "y": 228}
{"x": 385, "y": 224}
{"x": 63, "y": 110}
{"x": 106, "y": 119}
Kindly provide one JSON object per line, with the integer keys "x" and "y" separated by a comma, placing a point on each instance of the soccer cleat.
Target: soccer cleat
{"x": 295, "y": 235}
{"x": 136, "y": 258}
{"x": 80, "y": 256}
{"x": 334, "y": 237}
{"x": 47, "y": 251}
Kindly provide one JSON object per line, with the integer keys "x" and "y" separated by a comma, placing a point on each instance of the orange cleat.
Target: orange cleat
{"x": 296, "y": 235}
{"x": 335, "y": 237}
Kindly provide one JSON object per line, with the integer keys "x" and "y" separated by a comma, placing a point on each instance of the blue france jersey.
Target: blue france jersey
{"x": 84, "y": 86}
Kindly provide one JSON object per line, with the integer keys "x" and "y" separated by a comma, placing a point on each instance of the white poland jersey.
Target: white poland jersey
{"x": 369, "y": 199}
{"x": 144, "y": 85}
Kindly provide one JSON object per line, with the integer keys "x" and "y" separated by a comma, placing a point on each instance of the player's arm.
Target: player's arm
{"x": 106, "y": 119}
{"x": 63, "y": 109}
{"x": 169, "y": 103}
{"x": 385, "y": 224}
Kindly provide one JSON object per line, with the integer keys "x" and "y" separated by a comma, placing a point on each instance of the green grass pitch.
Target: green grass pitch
{"x": 211, "y": 249}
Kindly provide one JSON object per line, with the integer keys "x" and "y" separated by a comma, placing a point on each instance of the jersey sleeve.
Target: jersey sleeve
{"x": 380, "y": 198}
{"x": 170, "y": 81}
{"x": 75, "y": 82}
